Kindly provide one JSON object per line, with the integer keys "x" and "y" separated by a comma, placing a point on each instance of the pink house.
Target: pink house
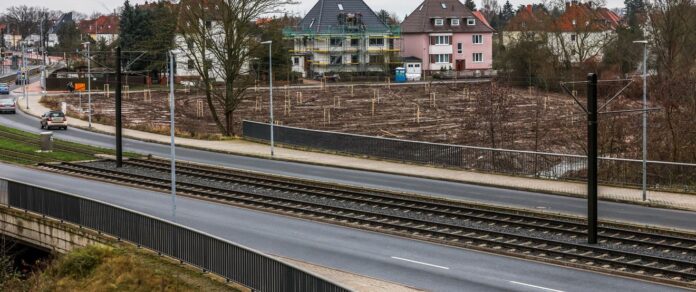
{"x": 446, "y": 34}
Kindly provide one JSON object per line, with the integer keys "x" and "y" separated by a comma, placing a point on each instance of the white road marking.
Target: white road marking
{"x": 534, "y": 286}
{"x": 420, "y": 263}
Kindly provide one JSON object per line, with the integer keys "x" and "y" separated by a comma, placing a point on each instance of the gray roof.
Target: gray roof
{"x": 421, "y": 20}
{"x": 65, "y": 18}
{"x": 324, "y": 17}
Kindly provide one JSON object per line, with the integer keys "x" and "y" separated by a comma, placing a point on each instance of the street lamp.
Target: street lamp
{"x": 24, "y": 74}
{"x": 89, "y": 83}
{"x": 645, "y": 116}
{"x": 270, "y": 78}
{"x": 172, "y": 131}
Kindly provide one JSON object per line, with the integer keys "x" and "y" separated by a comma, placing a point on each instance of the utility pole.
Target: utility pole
{"x": 645, "y": 118}
{"x": 43, "y": 53}
{"x": 89, "y": 84}
{"x": 592, "y": 158}
{"x": 119, "y": 140}
{"x": 172, "y": 130}
{"x": 24, "y": 74}
{"x": 270, "y": 78}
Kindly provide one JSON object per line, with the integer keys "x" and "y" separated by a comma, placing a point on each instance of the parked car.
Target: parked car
{"x": 54, "y": 119}
{"x": 4, "y": 88}
{"x": 329, "y": 77}
{"x": 8, "y": 104}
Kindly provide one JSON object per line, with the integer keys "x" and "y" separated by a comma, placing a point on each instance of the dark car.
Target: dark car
{"x": 8, "y": 105}
{"x": 54, "y": 119}
{"x": 4, "y": 88}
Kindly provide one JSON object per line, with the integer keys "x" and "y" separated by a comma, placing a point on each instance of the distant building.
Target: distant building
{"x": 342, "y": 36}
{"x": 104, "y": 28}
{"x": 446, "y": 35}
{"x": 53, "y": 31}
{"x": 579, "y": 34}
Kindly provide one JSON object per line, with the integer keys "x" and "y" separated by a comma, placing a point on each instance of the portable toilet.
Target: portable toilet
{"x": 400, "y": 75}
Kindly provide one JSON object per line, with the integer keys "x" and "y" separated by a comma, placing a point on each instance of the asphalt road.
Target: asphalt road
{"x": 552, "y": 203}
{"x": 414, "y": 263}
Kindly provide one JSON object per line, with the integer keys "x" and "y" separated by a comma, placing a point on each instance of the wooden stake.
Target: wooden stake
{"x": 351, "y": 91}
{"x": 418, "y": 114}
{"x": 106, "y": 89}
{"x": 373, "y": 107}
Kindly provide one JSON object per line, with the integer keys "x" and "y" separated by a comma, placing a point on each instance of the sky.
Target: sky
{"x": 400, "y": 7}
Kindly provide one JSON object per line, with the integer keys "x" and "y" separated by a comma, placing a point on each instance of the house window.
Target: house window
{"x": 340, "y": 7}
{"x": 296, "y": 61}
{"x": 376, "y": 59}
{"x": 455, "y": 22}
{"x": 477, "y": 39}
{"x": 189, "y": 44}
{"x": 336, "y": 60}
{"x": 470, "y": 21}
{"x": 336, "y": 42}
{"x": 444, "y": 6}
{"x": 478, "y": 57}
{"x": 439, "y": 22}
{"x": 441, "y": 40}
{"x": 376, "y": 42}
{"x": 354, "y": 42}
{"x": 440, "y": 58}
{"x": 460, "y": 48}
{"x": 190, "y": 64}
{"x": 354, "y": 59}
{"x": 208, "y": 24}
{"x": 572, "y": 37}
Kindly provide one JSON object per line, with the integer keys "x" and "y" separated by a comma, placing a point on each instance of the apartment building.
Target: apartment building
{"x": 446, "y": 35}
{"x": 342, "y": 36}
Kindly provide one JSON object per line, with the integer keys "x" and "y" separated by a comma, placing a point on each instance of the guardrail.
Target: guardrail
{"x": 229, "y": 260}
{"x": 628, "y": 172}
{"x": 12, "y": 77}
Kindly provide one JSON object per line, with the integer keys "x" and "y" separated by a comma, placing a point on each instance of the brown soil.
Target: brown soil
{"x": 489, "y": 115}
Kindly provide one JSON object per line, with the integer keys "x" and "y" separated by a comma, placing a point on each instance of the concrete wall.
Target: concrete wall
{"x": 46, "y": 233}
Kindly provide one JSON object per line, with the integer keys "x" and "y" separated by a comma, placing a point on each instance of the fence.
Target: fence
{"x": 234, "y": 262}
{"x": 628, "y": 172}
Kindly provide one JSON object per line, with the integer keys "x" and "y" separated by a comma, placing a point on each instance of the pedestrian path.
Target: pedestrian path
{"x": 243, "y": 147}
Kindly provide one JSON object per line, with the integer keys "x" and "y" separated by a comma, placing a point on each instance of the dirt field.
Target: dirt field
{"x": 489, "y": 115}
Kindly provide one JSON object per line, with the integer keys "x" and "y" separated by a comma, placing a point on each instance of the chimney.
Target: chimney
{"x": 529, "y": 8}
{"x": 567, "y": 4}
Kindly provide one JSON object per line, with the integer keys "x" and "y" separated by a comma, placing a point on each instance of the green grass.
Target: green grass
{"x": 116, "y": 268}
{"x": 22, "y": 147}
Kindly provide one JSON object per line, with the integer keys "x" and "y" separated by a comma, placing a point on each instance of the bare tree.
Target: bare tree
{"x": 217, "y": 37}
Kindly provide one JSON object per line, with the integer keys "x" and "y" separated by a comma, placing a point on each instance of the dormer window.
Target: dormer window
{"x": 444, "y": 6}
{"x": 340, "y": 7}
{"x": 470, "y": 21}
{"x": 455, "y": 22}
{"x": 439, "y": 22}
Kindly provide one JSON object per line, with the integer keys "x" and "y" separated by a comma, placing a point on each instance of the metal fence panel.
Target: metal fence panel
{"x": 240, "y": 264}
{"x": 661, "y": 175}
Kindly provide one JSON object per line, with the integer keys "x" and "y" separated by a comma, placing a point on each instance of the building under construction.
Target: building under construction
{"x": 343, "y": 36}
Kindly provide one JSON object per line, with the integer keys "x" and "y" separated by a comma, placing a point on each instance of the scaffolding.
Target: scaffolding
{"x": 325, "y": 49}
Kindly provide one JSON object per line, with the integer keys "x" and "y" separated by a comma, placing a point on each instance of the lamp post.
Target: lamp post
{"x": 43, "y": 54}
{"x": 270, "y": 78}
{"x": 645, "y": 116}
{"x": 89, "y": 84}
{"x": 172, "y": 130}
{"x": 24, "y": 74}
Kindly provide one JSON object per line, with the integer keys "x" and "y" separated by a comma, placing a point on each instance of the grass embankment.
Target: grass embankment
{"x": 120, "y": 268}
{"x": 22, "y": 147}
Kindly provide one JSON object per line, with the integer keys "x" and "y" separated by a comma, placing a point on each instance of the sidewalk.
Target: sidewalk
{"x": 242, "y": 147}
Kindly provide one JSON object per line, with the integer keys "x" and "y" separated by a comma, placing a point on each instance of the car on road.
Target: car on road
{"x": 4, "y": 88}
{"x": 54, "y": 119}
{"x": 8, "y": 105}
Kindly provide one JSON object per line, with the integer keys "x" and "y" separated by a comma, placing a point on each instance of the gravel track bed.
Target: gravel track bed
{"x": 475, "y": 224}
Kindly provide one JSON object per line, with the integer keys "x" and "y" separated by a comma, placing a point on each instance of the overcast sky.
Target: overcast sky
{"x": 400, "y": 7}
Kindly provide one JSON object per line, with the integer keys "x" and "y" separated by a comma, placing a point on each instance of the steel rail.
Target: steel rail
{"x": 627, "y": 263}
{"x": 562, "y": 225}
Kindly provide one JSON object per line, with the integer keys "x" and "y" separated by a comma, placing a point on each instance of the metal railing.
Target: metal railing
{"x": 229, "y": 260}
{"x": 661, "y": 175}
